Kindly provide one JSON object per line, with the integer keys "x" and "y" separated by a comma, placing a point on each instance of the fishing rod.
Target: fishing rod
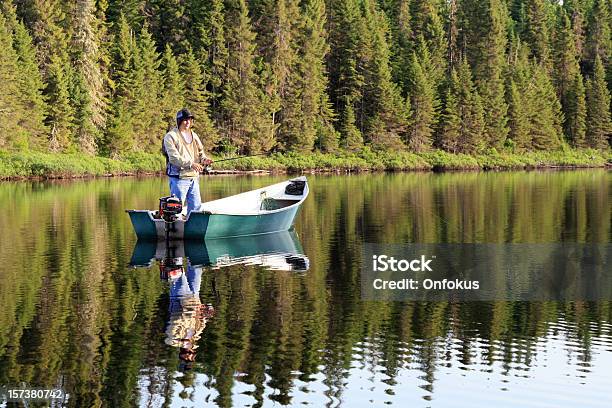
{"x": 242, "y": 157}
{"x": 209, "y": 168}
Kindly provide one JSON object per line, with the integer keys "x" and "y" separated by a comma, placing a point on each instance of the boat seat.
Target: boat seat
{"x": 269, "y": 204}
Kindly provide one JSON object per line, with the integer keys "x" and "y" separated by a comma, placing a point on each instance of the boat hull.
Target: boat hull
{"x": 223, "y": 225}
{"x": 202, "y": 225}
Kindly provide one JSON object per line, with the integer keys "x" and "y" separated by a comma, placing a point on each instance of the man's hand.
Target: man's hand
{"x": 197, "y": 167}
{"x": 207, "y": 162}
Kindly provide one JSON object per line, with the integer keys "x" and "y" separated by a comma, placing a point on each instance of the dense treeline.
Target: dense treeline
{"x": 106, "y": 77}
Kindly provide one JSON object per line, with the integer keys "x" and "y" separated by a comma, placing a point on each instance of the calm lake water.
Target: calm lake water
{"x": 281, "y": 321}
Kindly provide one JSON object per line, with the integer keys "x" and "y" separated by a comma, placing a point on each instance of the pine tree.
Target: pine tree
{"x": 248, "y": 117}
{"x": 266, "y": 126}
{"x": 217, "y": 55}
{"x": 146, "y": 81}
{"x": 386, "y": 113}
{"x": 286, "y": 87}
{"x": 327, "y": 137}
{"x": 599, "y": 125}
{"x": 566, "y": 58}
{"x": 518, "y": 119}
{"x": 120, "y": 134}
{"x": 364, "y": 57}
{"x": 318, "y": 116}
{"x": 273, "y": 38}
{"x": 576, "y": 112}
{"x": 519, "y": 83}
{"x": 518, "y": 13}
{"x": 105, "y": 38}
{"x": 122, "y": 51}
{"x": 422, "y": 102}
{"x": 495, "y": 111}
{"x": 484, "y": 36}
{"x": 92, "y": 100}
{"x": 491, "y": 88}
{"x": 450, "y": 121}
{"x": 196, "y": 26}
{"x": 345, "y": 80}
{"x": 287, "y": 24}
{"x": 60, "y": 114}
{"x": 399, "y": 12}
{"x": 535, "y": 111}
{"x": 30, "y": 82}
{"x": 566, "y": 73}
{"x": 352, "y": 139}
{"x": 453, "y": 52}
{"x": 471, "y": 111}
{"x": 599, "y": 40}
{"x": 576, "y": 12}
{"x": 537, "y": 33}
{"x": 51, "y": 39}
{"x": 173, "y": 94}
{"x": 264, "y": 17}
{"x": 545, "y": 114}
{"x": 49, "y": 32}
{"x": 132, "y": 11}
{"x": 379, "y": 66}
{"x": 197, "y": 100}
{"x": 11, "y": 109}
{"x": 81, "y": 103}
{"x": 167, "y": 25}
{"x": 427, "y": 24}
{"x": 306, "y": 115}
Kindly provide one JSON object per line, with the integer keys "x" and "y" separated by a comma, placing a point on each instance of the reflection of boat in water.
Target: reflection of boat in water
{"x": 181, "y": 265}
{"x": 276, "y": 251}
{"x": 261, "y": 211}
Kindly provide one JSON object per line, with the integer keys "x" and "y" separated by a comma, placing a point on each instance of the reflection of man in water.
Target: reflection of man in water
{"x": 188, "y": 315}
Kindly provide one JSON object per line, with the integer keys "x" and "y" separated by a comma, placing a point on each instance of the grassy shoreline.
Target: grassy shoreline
{"x": 34, "y": 165}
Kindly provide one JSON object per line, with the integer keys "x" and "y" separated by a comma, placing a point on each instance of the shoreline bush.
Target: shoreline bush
{"x": 17, "y": 165}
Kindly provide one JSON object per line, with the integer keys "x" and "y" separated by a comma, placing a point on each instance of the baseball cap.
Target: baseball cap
{"x": 183, "y": 114}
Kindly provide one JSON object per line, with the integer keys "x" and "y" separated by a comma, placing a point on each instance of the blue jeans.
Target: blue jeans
{"x": 187, "y": 190}
{"x": 187, "y": 286}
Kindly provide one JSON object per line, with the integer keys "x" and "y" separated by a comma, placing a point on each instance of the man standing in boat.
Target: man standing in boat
{"x": 185, "y": 160}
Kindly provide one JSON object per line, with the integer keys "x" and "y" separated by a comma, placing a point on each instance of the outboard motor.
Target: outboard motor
{"x": 169, "y": 208}
{"x": 170, "y": 268}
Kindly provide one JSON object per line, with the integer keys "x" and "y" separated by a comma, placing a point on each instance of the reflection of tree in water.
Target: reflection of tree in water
{"x": 73, "y": 311}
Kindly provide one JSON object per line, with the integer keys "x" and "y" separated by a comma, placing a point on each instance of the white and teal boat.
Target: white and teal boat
{"x": 262, "y": 211}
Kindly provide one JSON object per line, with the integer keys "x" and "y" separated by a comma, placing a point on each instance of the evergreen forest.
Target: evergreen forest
{"x": 106, "y": 77}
